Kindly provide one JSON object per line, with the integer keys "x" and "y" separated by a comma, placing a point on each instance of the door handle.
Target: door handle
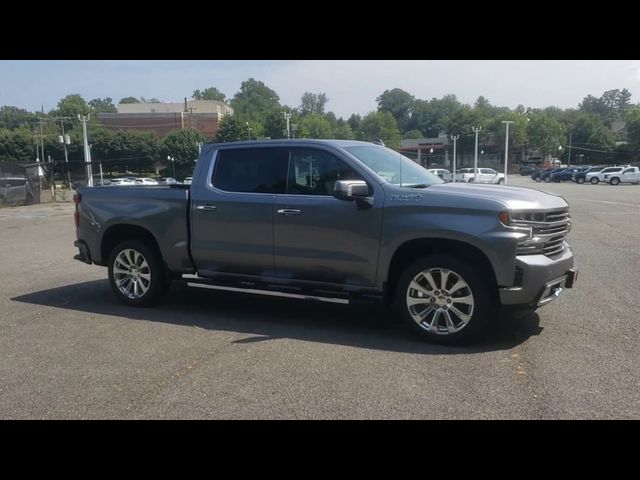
{"x": 288, "y": 211}
{"x": 206, "y": 207}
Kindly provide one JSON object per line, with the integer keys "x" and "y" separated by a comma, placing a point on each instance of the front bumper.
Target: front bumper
{"x": 542, "y": 279}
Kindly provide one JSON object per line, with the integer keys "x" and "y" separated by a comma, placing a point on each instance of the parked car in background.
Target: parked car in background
{"x": 546, "y": 175}
{"x": 566, "y": 174}
{"x": 441, "y": 172}
{"x": 596, "y": 177}
{"x": 146, "y": 181}
{"x": 538, "y": 173}
{"x": 629, "y": 175}
{"x": 527, "y": 170}
{"x": 15, "y": 190}
{"x": 485, "y": 175}
{"x": 579, "y": 177}
{"x": 187, "y": 181}
{"x": 167, "y": 181}
{"x": 121, "y": 182}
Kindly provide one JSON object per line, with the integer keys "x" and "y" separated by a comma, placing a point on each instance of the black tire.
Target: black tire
{"x": 547, "y": 179}
{"x": 501, "y": 181}
{"x": 614, "y": 181}
{"x": 579, "y": 180}
{"x": 595, "y": 181}
{"x": 470, "y": 180}
{"x": 483, "y": 310}
{"x": 159, "y": 280}
{"x": 538, "y": 179}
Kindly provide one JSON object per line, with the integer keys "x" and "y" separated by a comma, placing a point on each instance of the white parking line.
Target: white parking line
{"x": 604, "y": 201}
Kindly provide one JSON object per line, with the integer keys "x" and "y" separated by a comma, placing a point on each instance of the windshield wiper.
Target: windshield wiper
{"x": 419, "y": 185}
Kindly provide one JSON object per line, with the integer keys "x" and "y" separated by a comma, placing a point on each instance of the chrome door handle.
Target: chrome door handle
{"x": 206, "y": 207}
{"x": 288, "y": 211}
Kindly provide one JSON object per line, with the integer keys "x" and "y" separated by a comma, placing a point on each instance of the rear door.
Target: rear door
{"x": 232, "y": 211}
{"x": 630, "y": 175}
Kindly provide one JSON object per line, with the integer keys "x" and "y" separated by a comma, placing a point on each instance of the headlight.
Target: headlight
{"x": 527, "y": 244}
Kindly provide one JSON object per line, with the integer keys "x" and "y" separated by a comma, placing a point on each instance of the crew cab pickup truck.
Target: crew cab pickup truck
{"x": 628, "y": 175}
{"x": 333, "y": 220}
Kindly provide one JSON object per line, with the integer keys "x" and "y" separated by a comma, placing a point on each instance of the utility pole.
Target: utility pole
{"x": 52, "y": 183}
{"x": 87, "y": 153}
{"x": 455, "y": 140}
{"x": 65, "y": 140}
{"x": 506, "y": 149}
{"x": 569, "y": 159}
{"x": 475, "y": 157}
{"x": 287, "y": 116}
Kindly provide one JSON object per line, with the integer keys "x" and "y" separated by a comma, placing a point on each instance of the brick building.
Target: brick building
{"x": 162, "y": 118}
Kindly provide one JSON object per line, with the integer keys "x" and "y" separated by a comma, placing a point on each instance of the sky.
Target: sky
{"x": 351, "y": 85}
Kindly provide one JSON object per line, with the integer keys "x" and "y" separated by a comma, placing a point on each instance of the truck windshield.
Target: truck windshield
{"x": 394, "y": 167}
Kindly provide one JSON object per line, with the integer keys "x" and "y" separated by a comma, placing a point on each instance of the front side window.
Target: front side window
{"x": 393, "y": 167}
{"x": 314, "y": 172}
{"x": 251, "y": 170}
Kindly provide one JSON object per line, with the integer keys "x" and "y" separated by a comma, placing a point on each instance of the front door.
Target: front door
{"x": 318, "y": 237}
{"x": 232, "y": 212}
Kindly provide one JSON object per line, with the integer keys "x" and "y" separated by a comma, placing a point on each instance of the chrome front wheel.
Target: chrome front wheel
{"x": 440, "y": 301}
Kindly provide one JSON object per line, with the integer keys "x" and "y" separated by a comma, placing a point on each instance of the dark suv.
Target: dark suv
{"x": 566, "y": 174}
{"x": 579, "y": 177}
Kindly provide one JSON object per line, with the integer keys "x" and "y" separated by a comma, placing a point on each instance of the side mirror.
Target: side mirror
{"x": 350, "y": 189}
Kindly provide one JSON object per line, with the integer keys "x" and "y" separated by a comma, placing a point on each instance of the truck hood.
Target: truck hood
{"x": 513, "y": 198}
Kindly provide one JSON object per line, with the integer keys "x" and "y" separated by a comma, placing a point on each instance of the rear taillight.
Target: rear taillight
{"x": 77, "y": 198}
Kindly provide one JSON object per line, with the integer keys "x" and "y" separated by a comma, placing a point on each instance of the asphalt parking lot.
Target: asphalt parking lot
{"x": 68, "y": 350}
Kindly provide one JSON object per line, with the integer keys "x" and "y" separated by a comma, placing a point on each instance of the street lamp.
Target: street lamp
{"x": 65, "y": 140}
{"x": 475, "y": 156}
{"x": 455, "y": 139}
{"x": 430, "y": 156}
{"x": 506, "y": 148}
{"x": 248, "y": 131}
{"x": 173, "y": 165}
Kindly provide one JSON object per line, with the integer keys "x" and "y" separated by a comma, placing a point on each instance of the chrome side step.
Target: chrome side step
{"x": 257, "y": 291}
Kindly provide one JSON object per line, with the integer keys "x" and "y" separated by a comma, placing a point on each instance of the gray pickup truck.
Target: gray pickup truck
{"x": 337, "y": 221}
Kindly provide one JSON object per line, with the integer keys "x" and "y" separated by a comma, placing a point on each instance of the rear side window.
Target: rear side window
{"x": 251, "y": 170}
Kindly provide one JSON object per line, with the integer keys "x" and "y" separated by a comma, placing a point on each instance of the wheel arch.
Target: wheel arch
{"x": 413, "y": 249}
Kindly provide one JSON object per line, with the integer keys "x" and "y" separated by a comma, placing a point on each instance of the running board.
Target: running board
{"x": 272, "y": 293}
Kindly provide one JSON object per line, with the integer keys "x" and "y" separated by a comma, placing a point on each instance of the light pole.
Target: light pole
{"x": 87, "y": 152}
{"x": 430, "y": 156}
{"x": 65, "y": 140}
{"x": 506, "y": 149}
{"x": 475, "y": 156}
{"x": 173, "y": 165}
{"x": 455, "y": 140}
{"x": 287, "y": 117}
{"x": 248, "y": 131}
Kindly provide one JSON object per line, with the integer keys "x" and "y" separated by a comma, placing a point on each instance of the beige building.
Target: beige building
{"x": 191, "y": 106}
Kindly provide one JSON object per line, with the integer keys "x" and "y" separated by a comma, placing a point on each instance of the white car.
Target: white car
{"x": 442, "y": 173}
{"x": 167, "y": 181}
{"x": 146, "y": 181}
{"x": 120, "y": 182}
{"x": 187, "y": 181}
{"x": 485, "y": 175}
{"x": 628, "y": 175}
{"x": 597, "y": 177}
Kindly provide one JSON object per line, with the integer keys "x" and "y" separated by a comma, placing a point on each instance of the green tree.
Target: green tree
{"x": 275, "y": 125}
{"x": 380, "y": 126}
{"x": 313, "y": 103}
{"x": 17, "y": 145}
{"x": 399, "y": 103}
{"x": 432, "y": 116}
{"x": 633, "y": 128}
{"x": 183, "y": 146}
{"x": 211, "y": 93}
{"x": 253, "y": 102}
{"x": 14, "y": 117}
{"x": 129, "y": 100}
{"x": 342, "y": 131}
{"x": 315, "y": 125}
{"x": 354, "y": 122}
{"x": 461, "y": 122}
{"x": 546, "y": 133}
{"x": 230, "y": 130}
{"x": 413, "y": 134}
{"x": 72, "y": 106}
{"x": 102, "y": 105}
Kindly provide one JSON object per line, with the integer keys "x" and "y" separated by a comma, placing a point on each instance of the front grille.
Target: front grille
{"x": 553, "y": 227}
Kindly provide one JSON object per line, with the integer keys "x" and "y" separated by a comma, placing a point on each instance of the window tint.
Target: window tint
{"x": 314, "y": 172}
{"x": 629, "y": 170}
{"x": 488, "y": 170}
{"x": 251, "y": 170}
